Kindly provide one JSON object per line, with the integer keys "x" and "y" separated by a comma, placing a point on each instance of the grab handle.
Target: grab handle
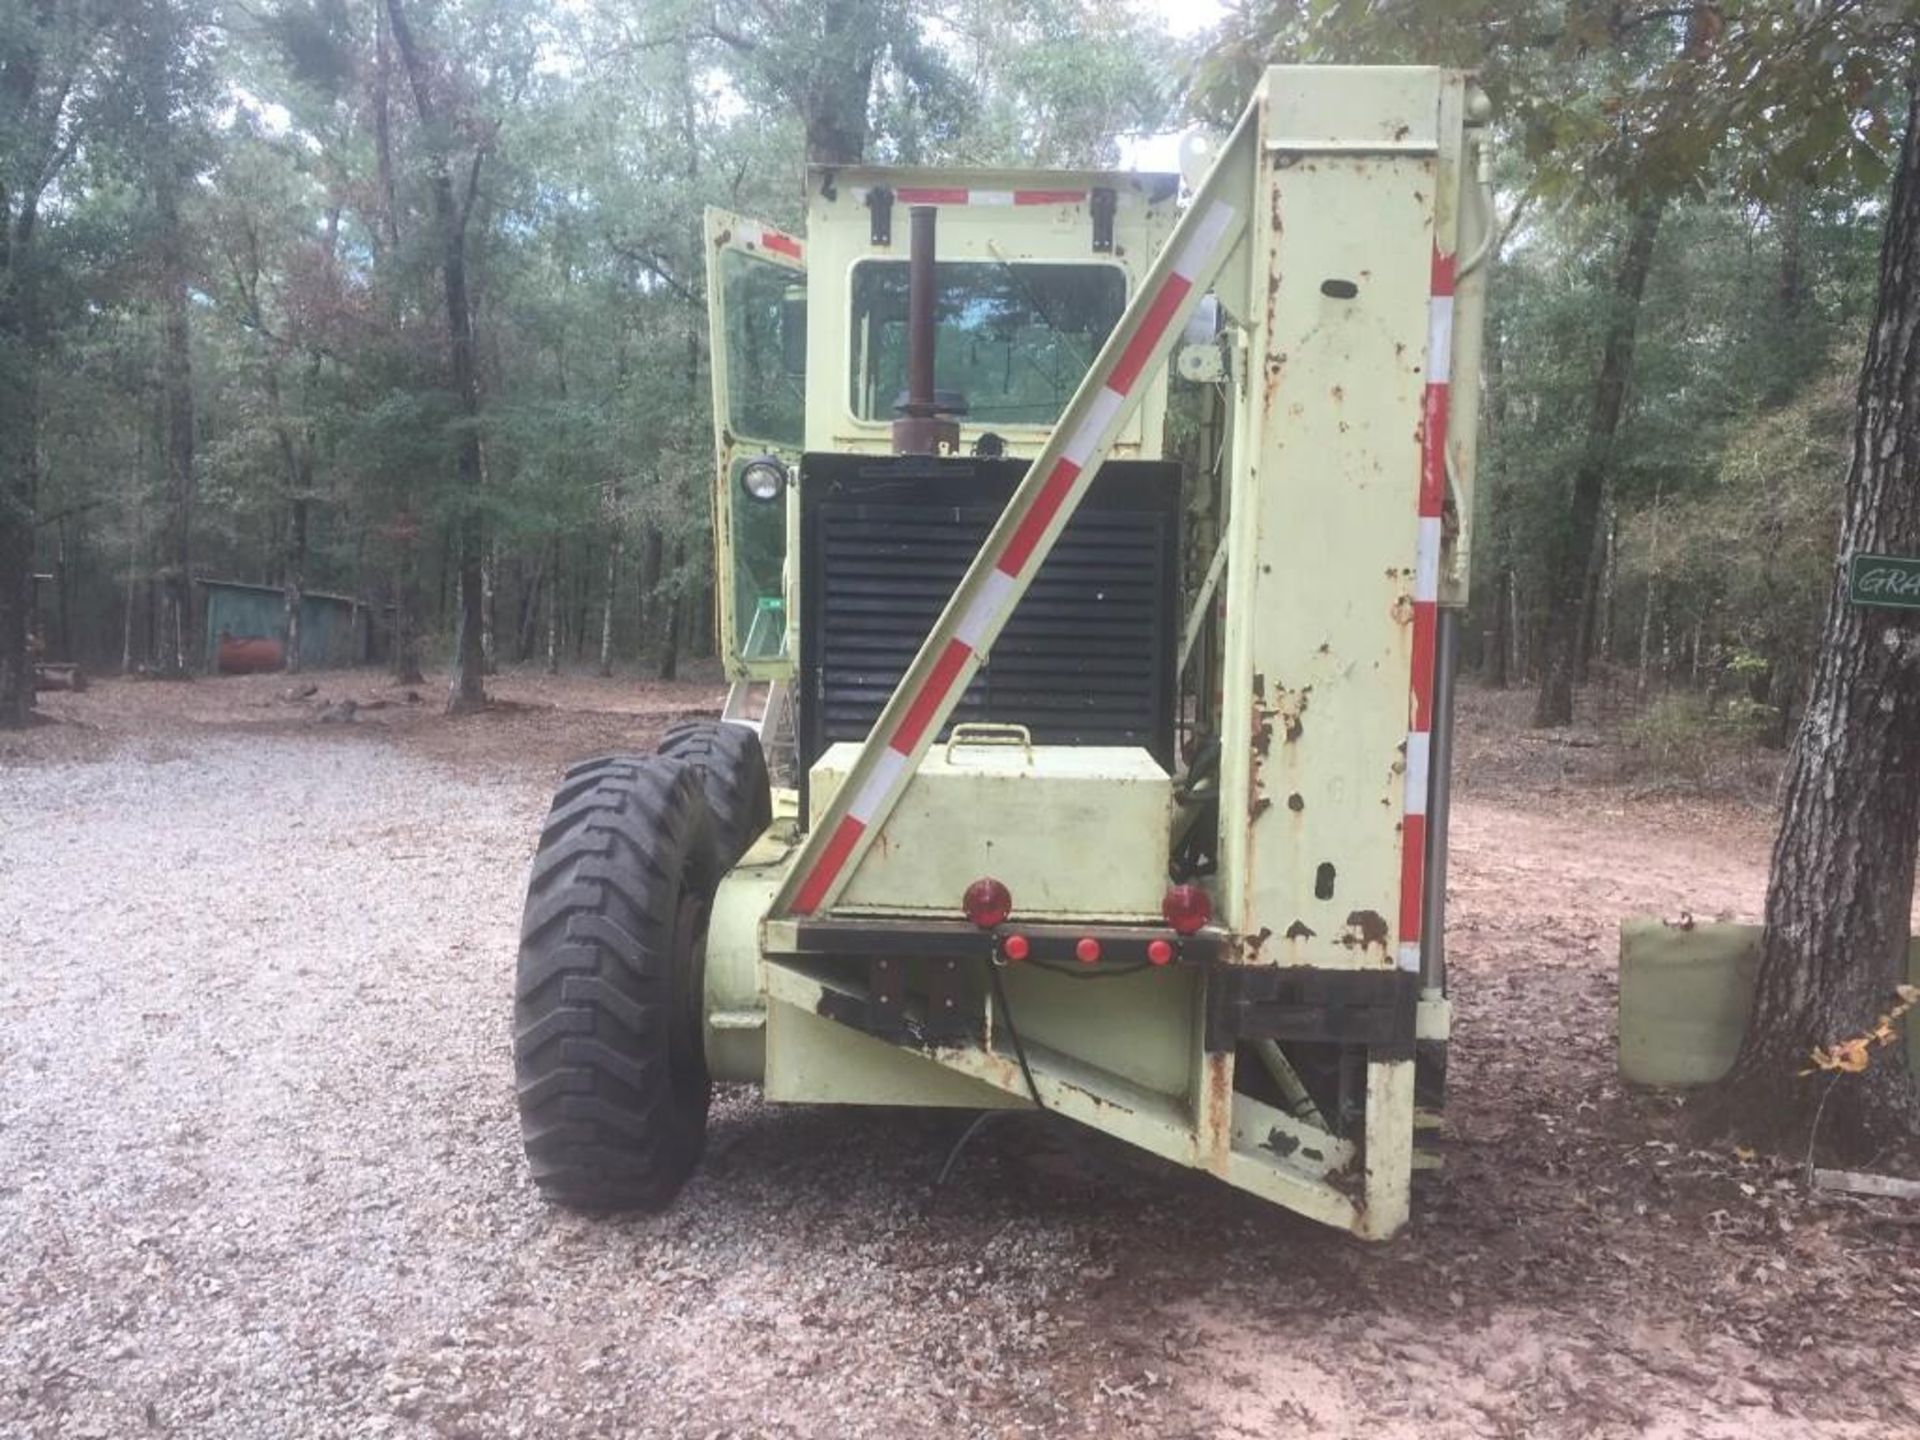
{"x": 989, "y": 733}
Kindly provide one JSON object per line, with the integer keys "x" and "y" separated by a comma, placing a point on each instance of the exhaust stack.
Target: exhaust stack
{"x": 921, "y": 426}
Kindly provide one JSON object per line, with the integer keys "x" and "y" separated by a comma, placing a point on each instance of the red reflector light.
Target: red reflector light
{"x": 987, "y": 903}
{"x": 1187, "y": 908}
{"x": 1014, "y": 947}
{"x": 1159, "y": 951}
{"x": 1088, "y": 949}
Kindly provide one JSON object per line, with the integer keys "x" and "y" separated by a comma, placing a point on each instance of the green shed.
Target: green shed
{"x": 333, "y": 631}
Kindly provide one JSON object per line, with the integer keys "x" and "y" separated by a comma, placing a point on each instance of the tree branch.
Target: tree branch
{"x": 652, "y": 264}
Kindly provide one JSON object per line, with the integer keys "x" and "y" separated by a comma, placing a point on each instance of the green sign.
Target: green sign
{"x": 1888, "y": 580}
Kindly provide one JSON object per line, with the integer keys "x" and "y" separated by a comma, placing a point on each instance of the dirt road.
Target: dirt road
{"x": 260, "y": 1174}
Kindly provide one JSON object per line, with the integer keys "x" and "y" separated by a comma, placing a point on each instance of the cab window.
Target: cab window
{"x": 766, "y": 347}
{"x": 1013, "y": 339}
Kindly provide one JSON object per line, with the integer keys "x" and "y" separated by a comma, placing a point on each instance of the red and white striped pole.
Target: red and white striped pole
{"x": 1426, "y": 608}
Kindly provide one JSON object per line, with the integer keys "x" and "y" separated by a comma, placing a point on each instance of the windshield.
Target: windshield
{"x": 1013, "y": 339}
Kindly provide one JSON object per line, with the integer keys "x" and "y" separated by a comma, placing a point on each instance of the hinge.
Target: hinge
{"x": 880, "y": 207}
{"x": 1101, "y": 204}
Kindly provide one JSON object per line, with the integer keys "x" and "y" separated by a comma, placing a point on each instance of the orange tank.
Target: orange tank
{"x": 250, "y": 656}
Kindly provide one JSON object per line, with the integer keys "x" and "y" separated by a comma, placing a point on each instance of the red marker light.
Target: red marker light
{"x": 987, "y": 903}
{"x": 1014, "y": 947}
{"x": 1088, "y": 949}
{"x": 1159, "y": 951}
{"x": 1187, "y": 908}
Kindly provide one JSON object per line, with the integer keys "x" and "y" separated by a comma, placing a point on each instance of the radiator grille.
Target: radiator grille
{"x": 1085, "y": 658}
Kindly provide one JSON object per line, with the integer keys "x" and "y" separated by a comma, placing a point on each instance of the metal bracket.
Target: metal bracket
{"x": 1101, "y": 204}
{"x": 949, "y": 1021}
{"x": 887, "y": 997}
{"x": 880, "y": 207}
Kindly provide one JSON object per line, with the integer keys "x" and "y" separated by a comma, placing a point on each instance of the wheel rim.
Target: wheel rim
{"x": 686, "y": 1055}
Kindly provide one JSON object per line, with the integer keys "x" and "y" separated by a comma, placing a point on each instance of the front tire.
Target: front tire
{"x": 608, "y": 1057}
{"x": 733, "y": 772}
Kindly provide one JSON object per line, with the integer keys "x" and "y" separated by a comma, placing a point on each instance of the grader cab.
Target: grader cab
{"x": 1108, "y": 784}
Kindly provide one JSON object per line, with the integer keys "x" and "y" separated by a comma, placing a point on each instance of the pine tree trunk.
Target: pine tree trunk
{"x": 1494, "y": 670}
{"x": 1839, "y": 904}
{"x": 489, "y": 651}
{"x": 553, "y": 611}
{"x": 1572, "y": 550}
{"x": 606, "y": 608}
{"x": 296, "y": 578}
{"x": 406, "y": 603}
{"x": 669, "y": 667}
{"x": 1652, "y": 596}
{"x": 1589, "y": 626}
{"x": 530, "y": 608}
{"x": 19, "y": 486}
{"x": 176, "y": 382}
{"x": 467, "y": 691}
{"x": 1609, "y": 585}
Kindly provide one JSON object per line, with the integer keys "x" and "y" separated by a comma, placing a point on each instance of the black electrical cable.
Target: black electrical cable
{"x": 1019, "y": 1050}
{"x": 953, "y": 1155}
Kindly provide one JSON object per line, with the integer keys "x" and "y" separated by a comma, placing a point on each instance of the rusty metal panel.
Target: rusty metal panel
{"x": 1322, "y": 550}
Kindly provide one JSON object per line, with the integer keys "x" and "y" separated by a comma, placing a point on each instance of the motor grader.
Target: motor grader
{"x": 1109, "y": 784}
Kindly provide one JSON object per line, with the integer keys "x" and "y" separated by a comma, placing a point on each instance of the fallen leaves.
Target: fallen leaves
{"x": 1851, "y": 1056}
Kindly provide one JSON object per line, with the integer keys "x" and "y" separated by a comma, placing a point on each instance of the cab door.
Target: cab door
{"x": 757, "y": 323}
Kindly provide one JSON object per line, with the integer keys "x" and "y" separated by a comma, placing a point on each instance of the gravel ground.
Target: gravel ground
{"x": 260, "y": 1174}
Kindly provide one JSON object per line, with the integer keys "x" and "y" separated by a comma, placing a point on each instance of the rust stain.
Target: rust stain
{"x": 1291, "y": 706}
{"x": 1365, "y": 929}
{"x": 1348, "y": 1181}
{"x": 1218, "y": 1138}
{"x": 1261, "y": 746}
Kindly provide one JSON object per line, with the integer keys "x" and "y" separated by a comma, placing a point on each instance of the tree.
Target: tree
{"x": 46, "y": 49}
{"x": 451, "y": 216}
{"x": 821, "y": 58}
{"x": 1601, "y": 98}
{"x": 1662, "y": 160}
{"x": 1838, "y": 912}
{"x": 166, "y": 55}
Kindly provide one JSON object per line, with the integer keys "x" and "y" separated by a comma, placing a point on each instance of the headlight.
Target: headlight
{"x": 763, "y": 478}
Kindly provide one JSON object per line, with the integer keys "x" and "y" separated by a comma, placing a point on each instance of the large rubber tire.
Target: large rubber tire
{"x": 607, "y": 1048}
{"x": 733, "y": 771}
